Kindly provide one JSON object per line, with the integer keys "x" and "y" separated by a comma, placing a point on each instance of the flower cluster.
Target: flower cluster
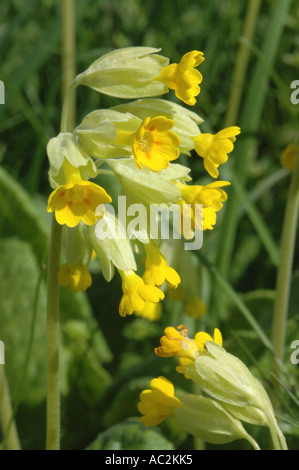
{"x": 232, "y": 393}
{"x": 137, "y": 143}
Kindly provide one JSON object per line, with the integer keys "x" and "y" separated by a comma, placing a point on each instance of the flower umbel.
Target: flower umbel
{"x": 154, "y": 145}
{"x": 77, "y": 200}
{"x": 183, "y": 78}
{"x": 214, "y": 148}
{"x": 158, "y": 402}
{"x": 136, "y": 293}
{"x": 76, "y": 276}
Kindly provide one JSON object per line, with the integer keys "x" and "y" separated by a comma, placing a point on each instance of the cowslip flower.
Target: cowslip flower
{"x": 183, "y": 77}
{"x": 289, "y": 157}
{"x": 214, "y": 148}
{"x": 76, "y": 276}
{"x": 136, "y": 293}
{"x": 77, "y": 200}
{"x": 210, "y": 196}
{"x": 194, "y": 307}
{"x": 157, "y": 270}
{"x": 154, "y": 145}
{"x": 151, "y": 311}
{"x": 158, "y": 402}
{"x": 177, "y": 343}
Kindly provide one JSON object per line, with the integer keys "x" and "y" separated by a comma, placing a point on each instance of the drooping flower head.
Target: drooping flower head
{"x": 158, "y": 402}
{"x": 183, "y": 78}
{"x": 136, "y": 293}
{"x": 154, "y": 145}
{"x": 214, "y": 148}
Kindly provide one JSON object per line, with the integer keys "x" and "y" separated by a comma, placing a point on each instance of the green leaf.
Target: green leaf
{"x": 131, "y": 434}
{"x": 19, "y": 276}
{"x": 20, "y": 217}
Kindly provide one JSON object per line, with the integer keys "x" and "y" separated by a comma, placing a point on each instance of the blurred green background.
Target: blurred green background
{"x": 107, "y": 360}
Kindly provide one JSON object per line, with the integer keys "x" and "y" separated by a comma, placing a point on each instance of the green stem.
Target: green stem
{"x": 249, "y": 123}
{"x": 67, "y": 124}
{"x": 252, "y": 442}
{"x": 68, "y": 56}
{"x": 241, "y": 64}
{"x": 284, "y": 274}
{"x": 11, "y": 440}
{"x": 53, "y": 389}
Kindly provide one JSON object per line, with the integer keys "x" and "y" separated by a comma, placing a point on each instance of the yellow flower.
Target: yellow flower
{"x": 183, "y": 78}
{"x": 211, "y": 196}
{"x": 289, "y": 157}
{"x": 76, "y": 276}
{"x": 158, "y": 402}
{"x": 194, "y": 307}
{"x": 156, "y": 269}
{"x": 176, "y": 343}
{"x": 154, "y": 145}
{"x": 77, "y": 200}
{"x": 214, "y": 148}
{"x": 151, "y": 311}
{"x": 136, "y": 293}
{"x": 200, "y": 340}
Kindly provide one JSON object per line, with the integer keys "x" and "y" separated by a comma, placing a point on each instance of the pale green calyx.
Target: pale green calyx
{"x": 226, "y": 378}
{"x": 106, "y": 133}
{"x": 66, "y": 146}
{"x": 145, "y": 186}
{"x": 111, "y": 244}
{"x": 77, "y": 244}
{"x": 209, "y": 420}
{"x": 126, "y": 73}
